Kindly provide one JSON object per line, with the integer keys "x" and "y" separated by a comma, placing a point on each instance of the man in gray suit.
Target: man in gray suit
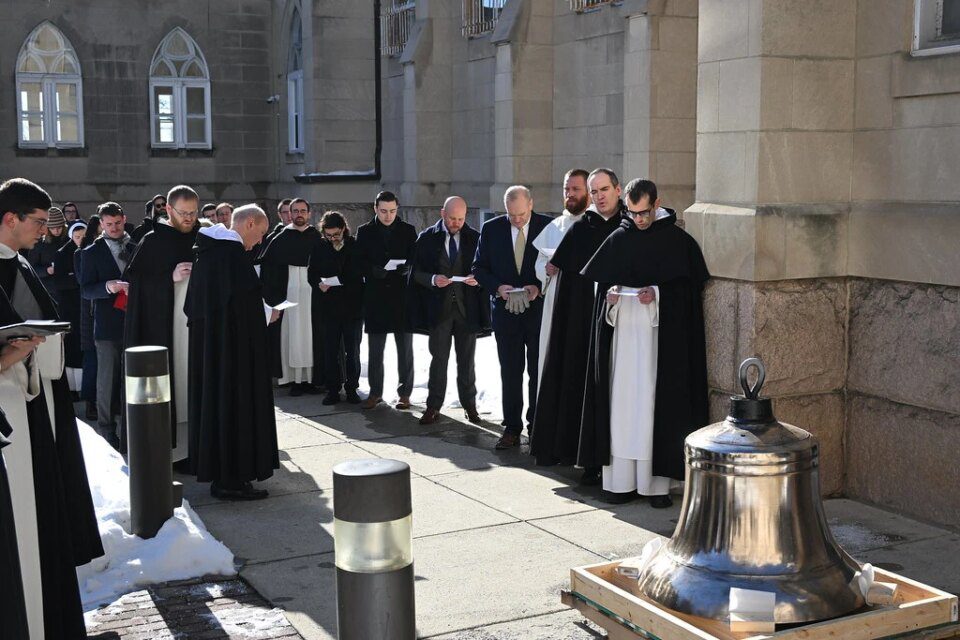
{"x": 448, "y": 304}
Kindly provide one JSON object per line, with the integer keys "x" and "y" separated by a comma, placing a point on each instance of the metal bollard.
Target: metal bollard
{"x": 153, "y": 494}
{"x": 374, "y": 550}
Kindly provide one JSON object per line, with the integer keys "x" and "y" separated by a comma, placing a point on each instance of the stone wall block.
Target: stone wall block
{"x": 720, "y": 321}
{"x": 823, "y": 92}
{"x": 804, "y": 166}
{"x": 820, "y": 28}
{"x": 903, "y": 458}
{"x": 798, "y": 328}
{"x": 905, "y": 342}
{"x": 874, "y": 104}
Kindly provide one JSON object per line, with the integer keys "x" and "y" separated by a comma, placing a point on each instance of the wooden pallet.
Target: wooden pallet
{"x": 614, "y": 603}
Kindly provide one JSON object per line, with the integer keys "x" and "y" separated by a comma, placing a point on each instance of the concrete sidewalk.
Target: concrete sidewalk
{"x": 494, "y": 537}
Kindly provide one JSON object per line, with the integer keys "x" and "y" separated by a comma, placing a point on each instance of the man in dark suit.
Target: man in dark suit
{"x": 505, "y": 265}
{"x": 449, "y": 310}
{"x": 99, "y": 276}
{"x": 384, "y": 249}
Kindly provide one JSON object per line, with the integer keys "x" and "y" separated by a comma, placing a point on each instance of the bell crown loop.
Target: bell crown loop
{"x": 750, "y": 408}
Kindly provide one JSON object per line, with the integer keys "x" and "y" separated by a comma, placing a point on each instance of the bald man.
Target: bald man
{"x": 448, "y": 304}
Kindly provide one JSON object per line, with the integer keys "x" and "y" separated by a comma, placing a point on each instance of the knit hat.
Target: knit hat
{"x": 56, "y": 219}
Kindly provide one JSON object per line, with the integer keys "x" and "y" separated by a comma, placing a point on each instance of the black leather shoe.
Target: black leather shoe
{"x": 296, "y": 390}
{"x": 312, "y": 389}
{"x": 244, "y": 492}
{"x": 591, "y": 477}
{"x": 331, "y": 399}
{"x": 661, "y": 502}
{"x": 618, "y": 498}
{"x": 507, "y": 441}
{"x": 353, "y": 398}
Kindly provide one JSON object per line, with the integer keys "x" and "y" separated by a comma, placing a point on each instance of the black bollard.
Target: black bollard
{"x": 374, "y": 550}
{"x": 149, "y": 457}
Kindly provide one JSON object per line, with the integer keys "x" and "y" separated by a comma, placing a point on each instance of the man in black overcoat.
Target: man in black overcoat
{"x": 384, "y": 250}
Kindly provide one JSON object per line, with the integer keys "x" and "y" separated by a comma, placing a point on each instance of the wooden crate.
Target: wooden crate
{"x": 614, "y": 602}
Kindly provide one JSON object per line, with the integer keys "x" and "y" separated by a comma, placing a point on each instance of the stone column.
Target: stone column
{"x": 774, "y": 168}
{"x": 660, "y": 96}
{"x": 427, "y": 101}
{"x": 523, "y": 107}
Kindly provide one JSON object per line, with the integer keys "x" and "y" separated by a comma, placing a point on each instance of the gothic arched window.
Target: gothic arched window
{"x": 49, "y": 90}
{"x": 179, "y": 94}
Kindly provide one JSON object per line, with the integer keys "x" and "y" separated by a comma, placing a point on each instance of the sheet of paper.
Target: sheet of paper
{"x": 393, "y": 264}
{"x": 331, "y": 282}
{"x": 627, "y": 291}
{"x": 458, "y": 278}
{"x": 517, "y": 290}
{"x": 548, "y": 251}
{"x": 286, "y": 304}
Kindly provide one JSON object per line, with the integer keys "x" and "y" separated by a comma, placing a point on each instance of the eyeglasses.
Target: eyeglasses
{"x": 40, "y": 222}
{"x": 159, "y": 205}
{"x": 333, "y": 236}
{"x": 187, "y": 214}
{"x": 641, "y": 213}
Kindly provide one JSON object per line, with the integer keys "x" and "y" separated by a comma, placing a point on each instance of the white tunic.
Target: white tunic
{"x": 18, "y": 385}
{"x": 181, "y": 370}
{"x": 296, "y": 330}
{"x": 546, "y": 244}
{"x": 633, "y": 384}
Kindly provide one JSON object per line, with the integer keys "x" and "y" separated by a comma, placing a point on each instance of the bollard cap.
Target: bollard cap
{"x": 146, "y": 362}
{"x": 373, "y": 490}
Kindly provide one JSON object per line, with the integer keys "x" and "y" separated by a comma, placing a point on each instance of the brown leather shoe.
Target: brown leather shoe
{"x": 507, "y": 441}
{"x": 371, "y": 402}
{"x": 472, "y": 415}
{"x": 403, "y": 403}
{"x": 429, "y": 416}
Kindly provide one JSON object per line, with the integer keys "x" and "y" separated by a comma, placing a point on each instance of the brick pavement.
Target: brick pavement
{"x": 206, "y": 609}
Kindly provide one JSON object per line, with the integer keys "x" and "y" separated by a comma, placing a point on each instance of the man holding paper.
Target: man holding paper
{"x": 384, "y": 249}
{"x": 56, "y": 526}
{"x": 334, "y": 275}
{"x": 159, "y": 275}
{"x": 648, "y": 388}
{"x": 505, "y": 266}
{"x": 233, "y": 433}
{"x": 100, "y": 278}
{"x": 447, "y": 304}
{"x": 283, "y": 270}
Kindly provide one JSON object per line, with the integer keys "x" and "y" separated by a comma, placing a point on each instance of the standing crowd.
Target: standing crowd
{"x": 600, "y": 307}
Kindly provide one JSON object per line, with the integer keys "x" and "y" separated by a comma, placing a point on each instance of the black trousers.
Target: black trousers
{"x": 518, "y": 339}
{"x": 375, "y": 345}
{"x": 452, "y": 329}
{"x": 341, "y": 353}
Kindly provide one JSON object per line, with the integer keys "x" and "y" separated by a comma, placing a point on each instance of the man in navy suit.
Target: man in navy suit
{"x": 100, "y": 269}
{"x": 505, "y": 265}
{"x": 449, "y": 310}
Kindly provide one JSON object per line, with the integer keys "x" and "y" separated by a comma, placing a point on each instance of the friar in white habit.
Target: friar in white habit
{"x": 648, "y": 351}
{"x": 56, "y": 526}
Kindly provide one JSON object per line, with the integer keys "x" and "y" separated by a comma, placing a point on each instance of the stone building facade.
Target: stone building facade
{"x": 809, "y": 146}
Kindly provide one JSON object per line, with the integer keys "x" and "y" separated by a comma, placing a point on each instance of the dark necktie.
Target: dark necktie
{"x": 452, "y": 250}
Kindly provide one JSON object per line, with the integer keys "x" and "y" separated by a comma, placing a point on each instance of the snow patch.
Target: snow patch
{"x": 182, "y": 549}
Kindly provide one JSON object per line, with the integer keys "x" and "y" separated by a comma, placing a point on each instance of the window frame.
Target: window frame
{"x": 179, "y": 88}
{"x": 48, "y": 87}
{"x": 295, "y": 111}
{"x": 927, "y": 25}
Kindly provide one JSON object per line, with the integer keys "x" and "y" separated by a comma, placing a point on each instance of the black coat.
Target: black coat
{"x": 66, "y": 521}
{"x": 425, "y": 301}
{"x": 42, "y": 256}
{"x": 97, "y": 268}
{"x": 494, "y": 264}
{"x": 150, "y": 312}
{"x": 385, "y": 292}
{"x": 64, "y": 281}
{"x": 87, "y": 342}
{"x": 663, "y": 255}
{"x": 233, "y": 433}
{"x": 346, "y": 301}
{"x": 556, "y": 426}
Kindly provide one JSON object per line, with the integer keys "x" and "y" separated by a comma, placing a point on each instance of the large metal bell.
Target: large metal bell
{"x": 752, "y": 518}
